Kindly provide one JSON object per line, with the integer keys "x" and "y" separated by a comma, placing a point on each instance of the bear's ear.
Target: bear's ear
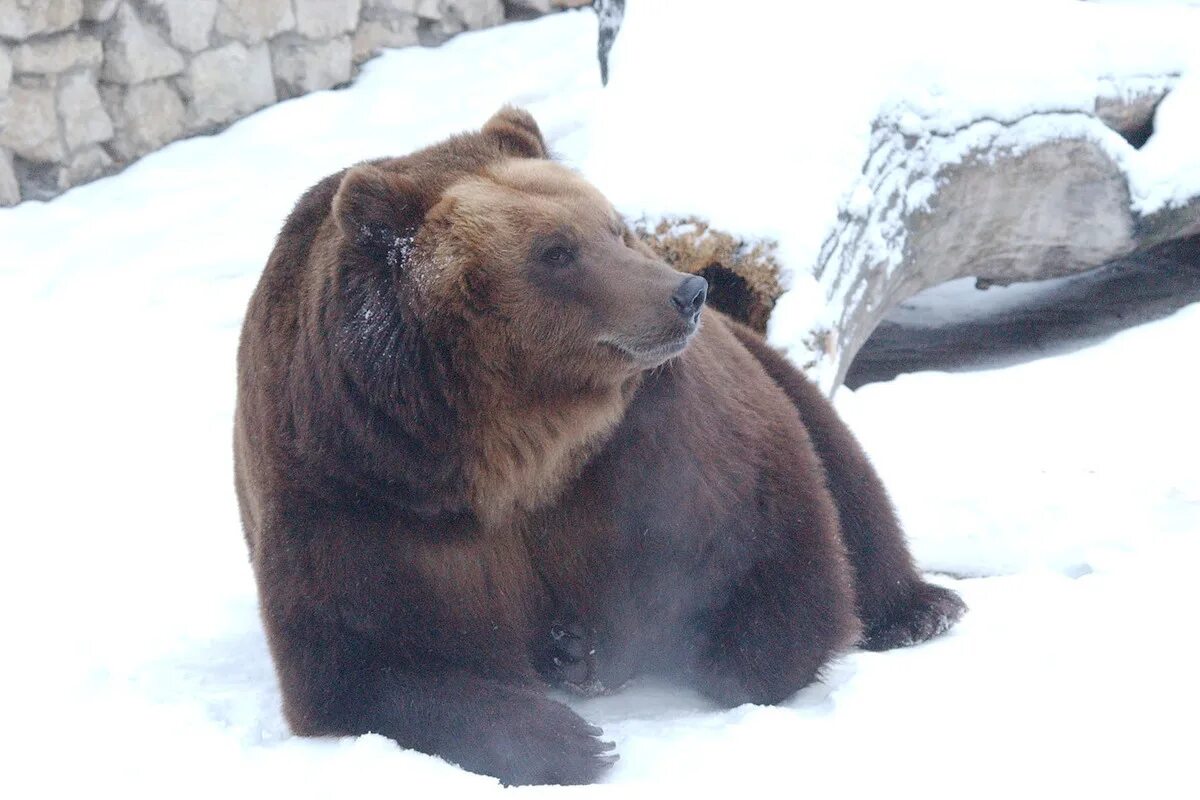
{"x": 374, "y": 208}
{"x": 517, "y": 133}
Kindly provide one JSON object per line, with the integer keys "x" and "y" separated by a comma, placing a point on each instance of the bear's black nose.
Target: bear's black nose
{"x": 690, "y": 296}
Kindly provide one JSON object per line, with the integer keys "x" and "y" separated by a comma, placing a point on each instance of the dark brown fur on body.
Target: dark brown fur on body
{"x": 701, "y": 540}
{"x": 467, "y": 419}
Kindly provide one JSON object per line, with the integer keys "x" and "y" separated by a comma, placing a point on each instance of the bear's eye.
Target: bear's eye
{"x": 558, "y": 256}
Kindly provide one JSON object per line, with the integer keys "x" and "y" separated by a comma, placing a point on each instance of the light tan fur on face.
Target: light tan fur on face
{"x": 531, "y": 437}
{"x": 500, "y": 212}
{"x": 486, "y": 222}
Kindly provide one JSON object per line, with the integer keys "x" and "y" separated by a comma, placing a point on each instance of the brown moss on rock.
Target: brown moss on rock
{"x": 743, "y": 275}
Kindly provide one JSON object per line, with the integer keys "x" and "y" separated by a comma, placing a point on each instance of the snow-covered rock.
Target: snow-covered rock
{"x": 1019, "y": 206}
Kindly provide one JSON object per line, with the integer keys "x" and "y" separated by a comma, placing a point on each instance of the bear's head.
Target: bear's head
{"x": 526, "y": 267}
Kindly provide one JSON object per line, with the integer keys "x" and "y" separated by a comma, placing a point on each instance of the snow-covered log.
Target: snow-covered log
{"x": 998, "y": 202}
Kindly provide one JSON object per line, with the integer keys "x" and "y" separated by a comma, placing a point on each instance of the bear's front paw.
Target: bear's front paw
{"x": 542, "y": 742}
{"x": 929, "y": 611}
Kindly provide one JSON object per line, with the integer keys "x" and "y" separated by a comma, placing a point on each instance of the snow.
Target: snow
{"x": 1060, "y": 497}
{"x": 1166, "y": 171}
{"x": 1100, "y": 468}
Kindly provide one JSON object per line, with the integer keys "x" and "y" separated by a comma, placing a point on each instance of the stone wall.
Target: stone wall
{"x": 86, "y": 86}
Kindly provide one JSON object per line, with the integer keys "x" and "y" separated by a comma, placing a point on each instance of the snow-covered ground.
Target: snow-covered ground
{"x": 1061, "y": 497}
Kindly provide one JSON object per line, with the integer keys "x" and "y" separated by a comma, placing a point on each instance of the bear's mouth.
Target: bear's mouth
{"x": 648, "y": 354}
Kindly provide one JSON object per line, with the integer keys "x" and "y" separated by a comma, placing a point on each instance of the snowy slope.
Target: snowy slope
{"x": 1066, "y": 488}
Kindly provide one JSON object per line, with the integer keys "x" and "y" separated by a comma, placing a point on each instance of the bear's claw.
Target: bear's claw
{"x": 539, "y": 741}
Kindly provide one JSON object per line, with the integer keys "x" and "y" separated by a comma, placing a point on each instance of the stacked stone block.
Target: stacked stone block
{"x": 87, "y": 86}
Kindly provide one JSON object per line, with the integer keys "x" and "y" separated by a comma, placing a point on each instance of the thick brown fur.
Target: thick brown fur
{"x": 482, "y": 444}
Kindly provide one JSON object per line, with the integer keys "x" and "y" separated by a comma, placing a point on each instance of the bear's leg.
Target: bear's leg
{"x": 768, "y": 642}
{"x": 781, "y": 623}
{"x": 336, "y": 682}
{"x": 896, "y": 607}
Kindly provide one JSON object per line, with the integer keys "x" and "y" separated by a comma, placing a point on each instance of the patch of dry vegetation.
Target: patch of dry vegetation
{"x": 743, "y": 275}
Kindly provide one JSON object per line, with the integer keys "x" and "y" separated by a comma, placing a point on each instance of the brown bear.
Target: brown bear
{"x": 485, "y": 443}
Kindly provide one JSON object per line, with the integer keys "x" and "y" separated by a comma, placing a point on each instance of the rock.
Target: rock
{"x": 57, "y": 54}
{"x": 10, "y": 191}
{"x": 383, "y": 24}
{"x": 397, "y": 6}
{"x": 87, "y": 164}
{"x": 1170, "y": 224}
{"x": 374, "y": 35}
{"x": 449, "y": 17}
{"x": 84, "y": 120}
{"x": 32, "y": 129}
{"x": 190, "y": 22}
{"x": 429, "y": 9}
{"x": 6, "y": 70}
{"x": 99, "y": 10}
{"x": 1076, "y": 311}
{"x": 42, "y": 181}
{"x": 1054, "y": 209}
{"x": 228, "y": 82}
{"x": 475, "y": 14}
{"x": 999, "y": 215}
{"x": 252, "y": 22}
{"x": 134, "y": 51}
{"x": 146, "y": 116}
{"x": 20, "y": 19}
{"x": 527, "y": 9}
{"x": 302, "y": 66}
{"x": 322, "y": 19}
{"x": 5, "y": 82}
